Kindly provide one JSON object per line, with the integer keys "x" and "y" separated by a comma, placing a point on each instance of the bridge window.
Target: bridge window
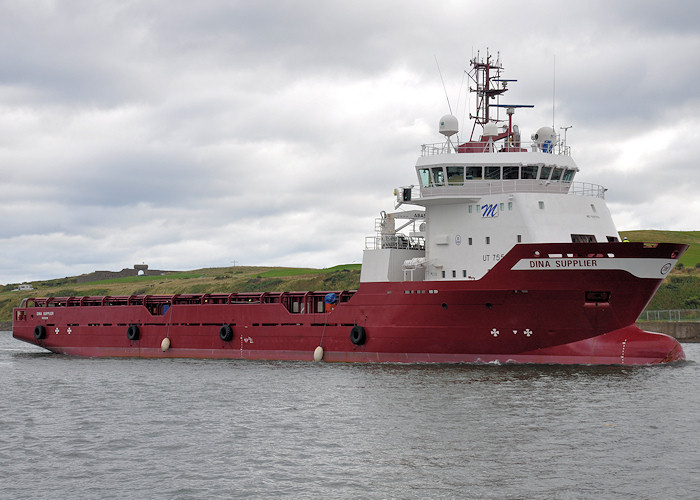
{"x": 511, "y": 172}
{"x": 474, "y": 173}
{"x": 529, "y": 172}
{"x": 424, "y": 174}
{"x": 544, "y": 173}
{"x": 569, "y": 175}
{"x": 438, "y": 176}
{"x": 493, "y": 173}
{"x": 455, "y": 176}
{"x": 583, "y": 238}
{"x": 556, "y": 175}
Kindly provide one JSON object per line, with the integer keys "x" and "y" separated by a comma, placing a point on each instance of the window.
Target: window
{"x": 520, "y": 238}
{"x": 454, "y": 273}
{"x": 470, "y": 209}
{"x": 502, "y": 207}
{"x": 488, "y": 240}
{"x": 544, "y": 173}
{"x": 438, "y": 176}
{"x": 473, "y": 173}
{"x": 511, "y": 172}
{"x": 541, "y": 203}
{"x": 612, "y": 239}
{"x": 529, "y": 172}
{"x": 455, "y": 176}
{"x": 510, "y": 205}
{"x": 583, "y": 238}
{"x": 464, "y": 273}
{"x": 443, "y": 274}
{"x": 493, "y": 173}
{"x": 424, "y": 174}
{"x": 569, "y": 175}
{"x": 556, "y": 175}
{"x": 470, "y": 241}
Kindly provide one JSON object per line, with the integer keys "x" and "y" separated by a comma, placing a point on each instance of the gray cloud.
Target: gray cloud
{"x": 191, "y": 135}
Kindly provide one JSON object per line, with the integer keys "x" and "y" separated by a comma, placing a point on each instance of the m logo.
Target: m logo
{"x": 489, "y": 210}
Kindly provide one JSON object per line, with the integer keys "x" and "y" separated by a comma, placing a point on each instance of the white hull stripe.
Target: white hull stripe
{"x": 641, "y": 268}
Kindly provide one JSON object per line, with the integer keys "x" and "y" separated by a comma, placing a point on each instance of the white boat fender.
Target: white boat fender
{"x": 318, "y": 354}
{"x": 165, "y": 345}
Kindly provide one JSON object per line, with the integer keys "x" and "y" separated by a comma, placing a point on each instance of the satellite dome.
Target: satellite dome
{"x": 449, "y": 125}
{"x": 545, "y": 138}
{"x": 490, "y": 129}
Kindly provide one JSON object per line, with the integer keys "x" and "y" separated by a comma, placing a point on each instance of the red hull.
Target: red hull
{"x": 566, "y": 315}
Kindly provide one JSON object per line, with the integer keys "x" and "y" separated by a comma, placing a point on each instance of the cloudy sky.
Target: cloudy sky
{"x": 191, "y": 134}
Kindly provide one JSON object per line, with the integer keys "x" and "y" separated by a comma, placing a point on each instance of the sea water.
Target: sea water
{"x": 128, "y": 428}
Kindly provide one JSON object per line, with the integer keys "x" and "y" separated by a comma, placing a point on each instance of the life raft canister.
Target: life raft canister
{"x": 39, "y": 332}
{"x": 358, "y": 335}
{"x": 226, "y": 333}
{"x": 132, "y": 333}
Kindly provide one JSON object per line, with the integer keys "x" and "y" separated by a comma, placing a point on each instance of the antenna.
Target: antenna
{"x": 563, "y": 145}
{"x": 443, "y": 84}
{"x": 554, "y": 86}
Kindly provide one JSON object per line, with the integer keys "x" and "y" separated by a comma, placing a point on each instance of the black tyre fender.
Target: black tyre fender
{"x": 226, "y": 333}
{"x": 39, "y": 332}
{"x": 358, "y": 335}
{"x": 132, "y": 333}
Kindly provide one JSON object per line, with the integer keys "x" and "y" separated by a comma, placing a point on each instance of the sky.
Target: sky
{"x": 188, "y": 134}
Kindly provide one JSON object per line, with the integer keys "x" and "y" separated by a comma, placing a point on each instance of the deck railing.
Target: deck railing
{"x": 481, "y": 187}
{"x": 440, "y": 148}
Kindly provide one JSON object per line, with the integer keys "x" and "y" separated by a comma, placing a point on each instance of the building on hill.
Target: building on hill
{"x": 137, "y": 270}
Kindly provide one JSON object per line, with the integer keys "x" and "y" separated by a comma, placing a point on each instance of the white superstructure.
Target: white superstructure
{"x": 481, "y": 198}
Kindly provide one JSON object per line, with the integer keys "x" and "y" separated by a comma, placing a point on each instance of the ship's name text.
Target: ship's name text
{"x": 563, "y": 263}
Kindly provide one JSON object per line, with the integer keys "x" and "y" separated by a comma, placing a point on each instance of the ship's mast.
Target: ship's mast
{"x": 485, "y": 75}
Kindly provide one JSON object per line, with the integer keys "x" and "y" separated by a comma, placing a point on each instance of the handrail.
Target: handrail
{"x": 484, "y": 187}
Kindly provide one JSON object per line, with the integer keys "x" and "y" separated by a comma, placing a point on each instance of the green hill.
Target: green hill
{"x": 691, "y": 258}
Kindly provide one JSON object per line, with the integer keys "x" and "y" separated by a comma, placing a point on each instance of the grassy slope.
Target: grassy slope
{"x": 682, "y": 289}
{"x": 691, "y": 256}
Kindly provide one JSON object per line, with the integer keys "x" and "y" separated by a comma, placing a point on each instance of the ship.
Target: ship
{"x": 495, "y": 255}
